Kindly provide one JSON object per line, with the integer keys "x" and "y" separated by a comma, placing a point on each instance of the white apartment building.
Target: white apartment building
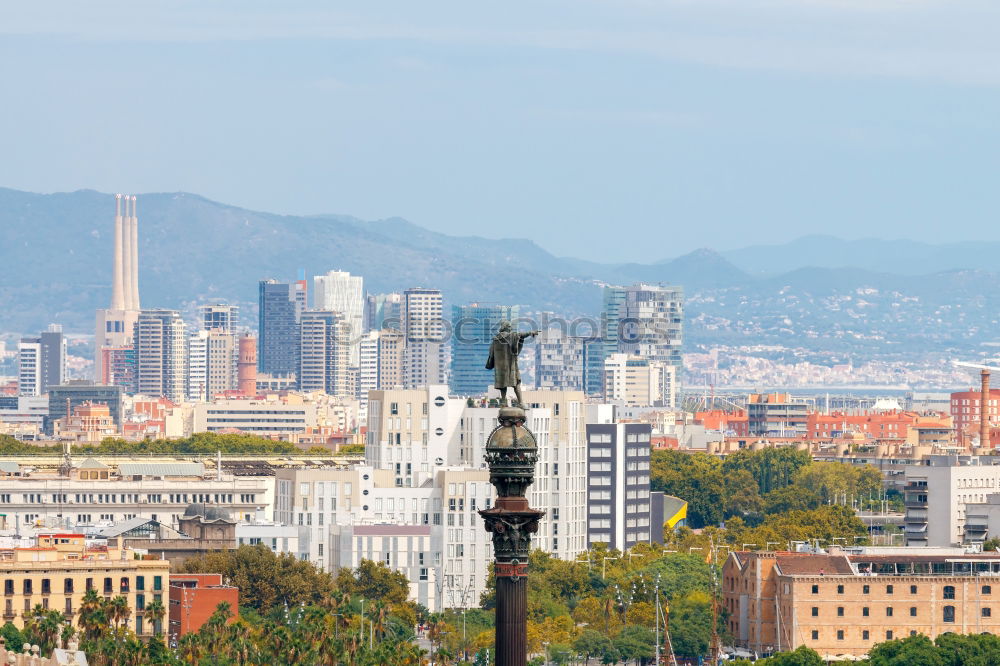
{"x": 259, "y": 417}
{"x": 939, "y": 492}
{"x": 325, "y": 501}
{"x": 93, "y": 491}
{"x": 281, "y": 539}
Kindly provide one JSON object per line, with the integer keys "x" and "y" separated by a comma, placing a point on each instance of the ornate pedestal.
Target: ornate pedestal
{"x": 511, "y": 453}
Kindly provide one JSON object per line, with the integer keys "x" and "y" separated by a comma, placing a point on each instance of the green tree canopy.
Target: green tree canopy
{"x": 266, "y": 580}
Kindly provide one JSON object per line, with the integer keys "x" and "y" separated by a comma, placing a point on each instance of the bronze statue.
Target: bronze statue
{"x": 504, "y": 349}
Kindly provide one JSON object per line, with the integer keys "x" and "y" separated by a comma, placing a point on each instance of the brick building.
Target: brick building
{"x": 842, "y": 604}
{"x": 193, "y": 599}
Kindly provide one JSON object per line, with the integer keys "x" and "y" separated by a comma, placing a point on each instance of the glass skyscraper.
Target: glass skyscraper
{"x": 473, "y": 327}
{"x": 278, "y": 329}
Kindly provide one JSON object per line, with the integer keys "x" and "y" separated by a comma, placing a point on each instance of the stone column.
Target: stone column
{"x": 511, "y": 453}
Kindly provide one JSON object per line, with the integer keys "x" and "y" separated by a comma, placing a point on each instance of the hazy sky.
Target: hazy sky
{"x": 620, "y": 130}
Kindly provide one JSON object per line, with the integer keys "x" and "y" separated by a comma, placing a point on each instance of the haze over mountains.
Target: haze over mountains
{"x": 820, "y": 292}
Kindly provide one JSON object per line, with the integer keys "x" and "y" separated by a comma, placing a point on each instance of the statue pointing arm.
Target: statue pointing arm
{"x": 504, "y": 348}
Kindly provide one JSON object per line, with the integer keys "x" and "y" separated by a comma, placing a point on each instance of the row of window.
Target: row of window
{"x": 27, "y": 585}
{"x": 948, "y": 591}
{"x": 866, "y": 611}
{"x": 889, "y": 633}
{"x": 126, "y": 498}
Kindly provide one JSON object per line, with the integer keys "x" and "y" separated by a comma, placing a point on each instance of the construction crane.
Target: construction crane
{"x": 984, "y": 398}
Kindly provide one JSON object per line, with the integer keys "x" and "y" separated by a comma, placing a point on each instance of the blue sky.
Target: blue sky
{"x": 623, "y": 130}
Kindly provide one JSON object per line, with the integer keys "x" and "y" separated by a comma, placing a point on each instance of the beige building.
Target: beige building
{"x": 638, "y": 381}
{"x": 60, "y": 568}
{"x": 89, "y": 423}
{"x": 842, "y": 604}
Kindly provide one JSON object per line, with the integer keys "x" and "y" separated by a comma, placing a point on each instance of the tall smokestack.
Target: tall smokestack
{"x": 118, "y": 274}
{"x": 984, "y": 401}
{"x": 247, "y": 366}
{"x": 134, "y": 250}
{"x": 127, "y": 255}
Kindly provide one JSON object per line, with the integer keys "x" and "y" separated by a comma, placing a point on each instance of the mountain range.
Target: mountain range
{"x": 819, "y": 292}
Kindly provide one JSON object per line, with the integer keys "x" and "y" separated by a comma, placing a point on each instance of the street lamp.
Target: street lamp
{"x": 604, "y": 565}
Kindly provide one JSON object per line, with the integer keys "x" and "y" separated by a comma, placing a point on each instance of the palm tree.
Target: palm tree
{"x": 91, "y": 617}
{"x": 190, "y": 648}
{"x": 49, "y": 629}
{"x": 155, "y": 611}
{"x": 119, "y": 611}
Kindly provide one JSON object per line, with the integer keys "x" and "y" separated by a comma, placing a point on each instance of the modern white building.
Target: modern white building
{"x": 637, "y": 381}
{"x": 281, "y": 539}
{"x": 425, "y": 358}
{"x": 325, "y": 501}
{"x": 264, "y": 417}
{"x": 324, "y": 353}
{"x": 381, "y": 364}
{"x": 161, "y": 354}
{"x": 339, "y": 291}
{"x": 618, "y": 495}
{"x": 212, "y": 363}
{"x": 93, "y": 491}
{"x": 41, "y": 362}
{"x": 413, "y": 431}
{"x": 939, "y": 492}
{"x": 559, "y": 361}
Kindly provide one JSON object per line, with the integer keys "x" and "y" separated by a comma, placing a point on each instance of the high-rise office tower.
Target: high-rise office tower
{"x": 29, "y": 366}
{"x": 472, "y": 329}
{"x": 219, "y": 317}
{"x": 644, "y": 320}
{"x": 324, "y": 353}
{"x": 301, "y": 289}
{"x": 212, "y": 357}
{"x": 278, "y": 329}
{"x": 161, "y": 354}
{"x": 41, "y": 361}
{"x": 339, "y": 291}
{"x": 383, "y": 311}
{"x": 381, "y": 367}
{"x": 559, "y": 361}
{"x": 115, "y": 325}
{"x": 425, "y": 359}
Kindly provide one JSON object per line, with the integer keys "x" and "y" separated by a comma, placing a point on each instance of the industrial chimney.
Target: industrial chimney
{"x": 984, "y": 401}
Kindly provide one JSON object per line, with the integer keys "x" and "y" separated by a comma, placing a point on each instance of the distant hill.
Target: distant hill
{"x": 903, "y": 257}
{"x": 869, "y": 296}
